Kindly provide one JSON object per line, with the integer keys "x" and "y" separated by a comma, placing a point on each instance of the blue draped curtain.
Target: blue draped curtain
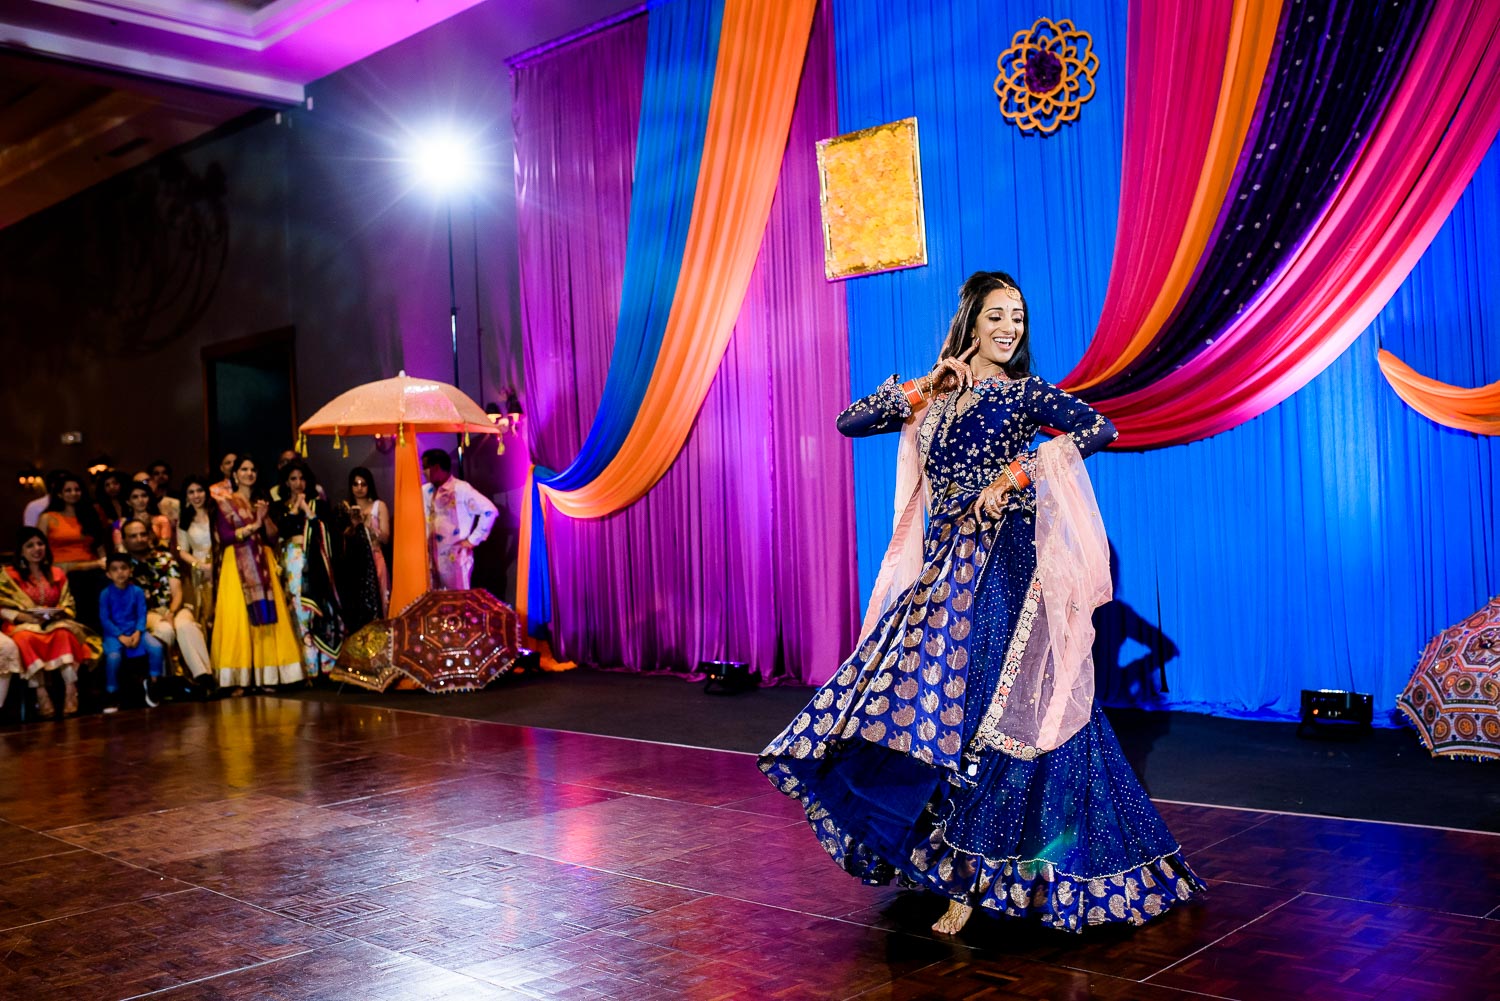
{"x": 1319, "y": 545}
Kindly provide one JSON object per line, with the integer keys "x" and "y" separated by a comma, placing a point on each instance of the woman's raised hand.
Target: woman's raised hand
{"x": 953, "y": 373}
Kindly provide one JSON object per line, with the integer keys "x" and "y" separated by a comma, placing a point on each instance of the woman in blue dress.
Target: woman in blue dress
{"x": 959, "y": 748}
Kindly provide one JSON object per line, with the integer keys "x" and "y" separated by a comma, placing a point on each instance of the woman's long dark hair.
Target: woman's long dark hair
{"x": 88, "y": 518}
{"x": 361, "y": 471}
{"x": 25, "y": 534}
{"x": 971, "y": 298}
{"x": 309, "y": 482}
{"x": 189, "y": 513}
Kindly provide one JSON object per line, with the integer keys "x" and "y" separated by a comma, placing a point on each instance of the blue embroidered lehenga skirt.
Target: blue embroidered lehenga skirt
{"x": 885, "y": 763}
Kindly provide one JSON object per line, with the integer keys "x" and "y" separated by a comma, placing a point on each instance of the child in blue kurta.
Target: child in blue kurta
{"x": 122, "y": 613}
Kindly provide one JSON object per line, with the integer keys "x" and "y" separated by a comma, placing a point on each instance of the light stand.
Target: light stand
{"x": 453, "y": 322}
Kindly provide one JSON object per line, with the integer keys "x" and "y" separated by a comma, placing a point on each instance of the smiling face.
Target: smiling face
{"x": 244, "y": 474}
{"x": 139, "y": 499}
{"x": 34, "y": 550}
{"x": 71, "y": 492}
{"x": 196, "y": 495}
{"x": 1000, "y": 327}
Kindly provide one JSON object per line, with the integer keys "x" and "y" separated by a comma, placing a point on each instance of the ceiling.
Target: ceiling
{"x": 89, "y": 88}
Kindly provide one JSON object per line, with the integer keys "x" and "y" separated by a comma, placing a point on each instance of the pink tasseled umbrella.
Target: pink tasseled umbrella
{"x": 401, "y": 407}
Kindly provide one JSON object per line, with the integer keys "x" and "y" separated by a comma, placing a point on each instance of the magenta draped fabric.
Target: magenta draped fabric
{"x": 1427, "y": 145}
{"x": 1170, "y": 106}
{"x": 745, "y": 549}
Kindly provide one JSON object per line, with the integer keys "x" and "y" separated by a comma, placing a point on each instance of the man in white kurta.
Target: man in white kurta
{"x": 458, "y": 519}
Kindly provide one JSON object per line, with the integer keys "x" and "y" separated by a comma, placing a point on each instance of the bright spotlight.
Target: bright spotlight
{"x": 444, "y": 163}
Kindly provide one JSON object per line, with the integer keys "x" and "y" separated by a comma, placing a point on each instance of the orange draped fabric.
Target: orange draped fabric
{"x": 761, "y": 49}
{"x": 759, "y": 67}
{"x": 1476, "y": 410}
{"x": 409, "y": 532}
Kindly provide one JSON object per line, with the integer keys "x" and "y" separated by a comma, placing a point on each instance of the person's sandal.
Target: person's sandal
{"x": 44, "y": 707}
{"x": 70, "y": 701}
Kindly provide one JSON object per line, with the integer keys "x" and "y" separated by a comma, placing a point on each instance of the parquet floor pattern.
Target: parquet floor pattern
{"x": 268, "y": 848}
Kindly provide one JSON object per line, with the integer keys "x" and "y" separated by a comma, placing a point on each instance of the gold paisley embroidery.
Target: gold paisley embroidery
{"x": 904, "y": 716}
{"x": 959, "y": 630}
{"x": 874, "y": 732}
{"x": 908, "y": 689}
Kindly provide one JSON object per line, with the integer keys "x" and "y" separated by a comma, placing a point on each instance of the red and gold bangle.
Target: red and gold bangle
{"x": 1018, "y": 475}
{"x": 914, "y": 394}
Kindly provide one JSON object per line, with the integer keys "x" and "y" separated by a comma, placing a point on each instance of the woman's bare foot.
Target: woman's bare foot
{"x": 954, "y": 920}
{"x": 70, "y": 700}
{"x": 44, "y": 707}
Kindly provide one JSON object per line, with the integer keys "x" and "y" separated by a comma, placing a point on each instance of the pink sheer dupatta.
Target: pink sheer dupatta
{"x": 1046, "y": 690}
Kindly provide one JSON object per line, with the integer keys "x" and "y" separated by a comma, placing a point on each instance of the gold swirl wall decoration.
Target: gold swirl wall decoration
{"x": 870, "y": 189}
{"x": 1046, "y": 75}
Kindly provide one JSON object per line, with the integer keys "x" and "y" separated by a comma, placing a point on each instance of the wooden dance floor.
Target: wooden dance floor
{"x": 275, "y": 848}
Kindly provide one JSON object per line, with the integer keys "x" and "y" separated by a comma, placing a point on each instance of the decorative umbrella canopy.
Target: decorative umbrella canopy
{"x": 395, "y": 406}
{"x": 455, "y": 641}
{"x": 401, "y": 407}
{"x": 1453, "y": 698}
{"x": 366, "y": 658}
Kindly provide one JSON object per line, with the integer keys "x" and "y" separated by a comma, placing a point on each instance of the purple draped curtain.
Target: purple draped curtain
{"x": 745, "y": 549}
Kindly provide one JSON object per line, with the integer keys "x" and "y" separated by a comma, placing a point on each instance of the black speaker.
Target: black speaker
{"x": 727, "y": 677}
{"x": 1332, "y": 705}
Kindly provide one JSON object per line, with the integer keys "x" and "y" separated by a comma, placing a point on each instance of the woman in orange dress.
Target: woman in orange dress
{"x": 77, "y": 540}
{"x": 37, "y": 611}
{"x": 140, "y": 505}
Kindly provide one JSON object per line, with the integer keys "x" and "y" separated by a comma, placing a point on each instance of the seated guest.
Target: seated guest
{"x": 458, "y": 519}
{"x": 10, "y": 664}
{"x": 141, "y": 506}
{"x": 77, "y": 541}
{"x": 37, "y": 609}
{"x": 155, "y": 572}
{"x": 122, "y": 612}
{"x": 109, "y": 497}
{"x": 34, "y": 508}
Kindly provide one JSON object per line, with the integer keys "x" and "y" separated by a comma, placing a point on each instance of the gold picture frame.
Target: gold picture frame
{"x": 870, "y": 191}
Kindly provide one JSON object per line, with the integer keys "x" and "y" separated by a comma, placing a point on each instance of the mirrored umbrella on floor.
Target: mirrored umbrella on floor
{"x": 365, "y": 659}
{"x": 1453, "y": 697}
{"x": 455, "y": 641}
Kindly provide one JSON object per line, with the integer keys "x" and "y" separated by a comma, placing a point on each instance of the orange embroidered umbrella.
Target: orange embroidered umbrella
{"x": 401, "y": 407}
{"x": 1453, "y": 697}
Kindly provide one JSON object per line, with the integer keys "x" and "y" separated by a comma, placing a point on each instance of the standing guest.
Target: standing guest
{"x": 225, "y": 485}
{"x": 307, "y": 559}
{"x": 253, "y": 641}
{"x": 364, "y": 586}
{"x": 960, "y": 748}
{"x": 286, "y": 458}
{"x": 77, "y": 541}
{"x": 141, "y": 506}
{"x": 156, "y": 573}
{"x": 37, "y": 608}
{"x": 122, "y": 613}
{"x": 34, "y": 508}
{"x": 109, "y": 497}
{"x": 195, "y": 549}
{"x": 160, "y": 473}
{"x": 10, "y": 665}
{"x": 458, "y": 519}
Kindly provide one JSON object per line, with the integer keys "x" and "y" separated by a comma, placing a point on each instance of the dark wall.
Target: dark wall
{"x": 308, "y": 219}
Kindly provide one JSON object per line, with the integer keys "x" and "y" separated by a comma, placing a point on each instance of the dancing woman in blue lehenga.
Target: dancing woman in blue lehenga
{"x": 959, "y": 748}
